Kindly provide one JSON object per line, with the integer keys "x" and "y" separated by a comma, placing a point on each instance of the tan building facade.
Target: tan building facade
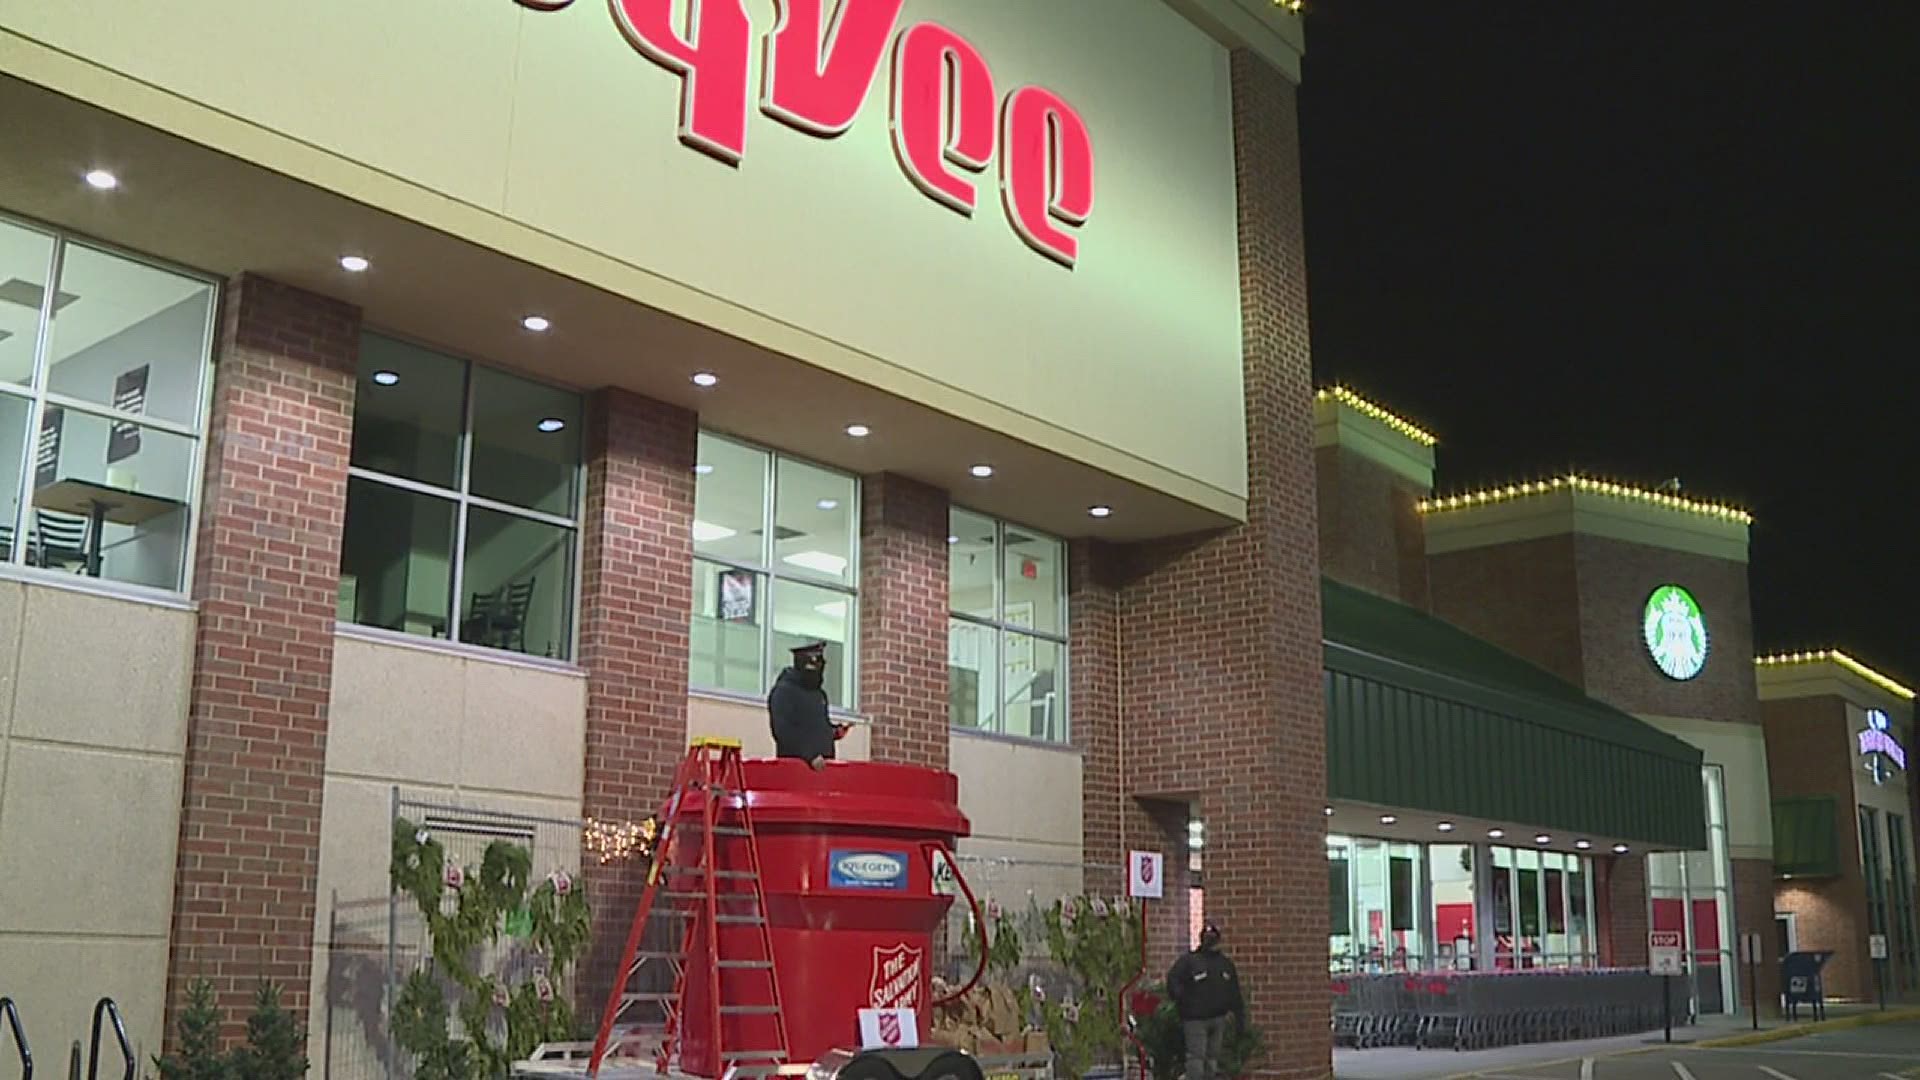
{"x": 396, "y": 404}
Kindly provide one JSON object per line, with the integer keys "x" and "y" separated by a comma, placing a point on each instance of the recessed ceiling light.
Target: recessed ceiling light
{"x": 1100, "y": 511}
{"x": 386, "y": 378}
{"x": 981, "y": 471}
{"x": 354, "y": 264}
{"x": 702, "y": 469}
{"x": 1329, "y": 811}
{"x": 828, "y": 504}
{"x": 707, "y": 532}
{"x": 1583, "y": 844}
{"x": 1619, "y": 849}
{"x": 102, "y": 180}
{"x": 705, "y": 379}
{"x": 1388, "y": 819}
{"x": 1496, "y": 833}
{"x": 551, "y": 424}
{"x": 859, "y": 431}
{"x": 1543, "y": 838}
{"x": 953, "y": 539}
{"x": 1445, "y": 826}
{"x": 536, "y": 323}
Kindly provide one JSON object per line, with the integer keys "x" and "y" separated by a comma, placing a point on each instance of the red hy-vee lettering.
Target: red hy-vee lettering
{"x": 819, "y": 64}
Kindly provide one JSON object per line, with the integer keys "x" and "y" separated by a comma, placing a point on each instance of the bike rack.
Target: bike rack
{"x": 105, "y": 1007}
{"x": 12, "y": 1012}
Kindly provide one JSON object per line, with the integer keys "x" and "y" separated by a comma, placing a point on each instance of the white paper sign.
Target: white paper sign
{"x": 1877, "y": 946}
{"x": 1663, "y": 952}
{"x": 1145, "y": 875}
{"x": 889, "y": 1029}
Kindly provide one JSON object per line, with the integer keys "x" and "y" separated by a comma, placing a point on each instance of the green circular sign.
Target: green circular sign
{"x": 1675, "y": 632}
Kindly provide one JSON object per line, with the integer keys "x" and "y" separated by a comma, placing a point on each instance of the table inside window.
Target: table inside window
{"x": 99, "y": 504}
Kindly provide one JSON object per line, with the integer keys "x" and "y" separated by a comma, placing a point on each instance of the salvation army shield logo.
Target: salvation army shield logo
{"x": 896, "y": 977}
{"x": 890, "y": 1028}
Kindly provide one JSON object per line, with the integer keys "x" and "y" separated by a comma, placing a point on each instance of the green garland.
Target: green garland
{"x": 557, "y": 921}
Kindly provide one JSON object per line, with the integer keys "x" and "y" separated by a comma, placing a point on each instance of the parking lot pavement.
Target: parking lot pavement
{"x": 1886, "y": 1052}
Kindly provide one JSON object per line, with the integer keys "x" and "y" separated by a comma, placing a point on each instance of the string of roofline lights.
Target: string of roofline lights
{"x": 1589, "y": 485}
{"x": 1835, "y": 656}
{"x": 1399, "y": 424}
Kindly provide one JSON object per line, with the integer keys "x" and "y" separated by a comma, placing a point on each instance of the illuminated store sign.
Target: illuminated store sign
{"x": 816, "y": 70}
{"x": 1877, "y": 745}
{"x": 1675, "y": 632}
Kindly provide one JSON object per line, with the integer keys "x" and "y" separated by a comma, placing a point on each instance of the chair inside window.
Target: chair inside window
{"x": 57, "y": 541}
{"x": 499, "y": 618}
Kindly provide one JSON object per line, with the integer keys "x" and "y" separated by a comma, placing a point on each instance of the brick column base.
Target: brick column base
{"x": 1622, "y": 898}
{"x": 636, "y": 590}
{"x": 267, "y": 578}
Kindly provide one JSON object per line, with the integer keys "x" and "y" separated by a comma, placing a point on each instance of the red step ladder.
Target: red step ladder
{"x": 708, "y": 801}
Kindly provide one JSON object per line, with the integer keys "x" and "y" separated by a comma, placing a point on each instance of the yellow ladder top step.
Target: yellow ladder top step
{"x": 715, "y": 742}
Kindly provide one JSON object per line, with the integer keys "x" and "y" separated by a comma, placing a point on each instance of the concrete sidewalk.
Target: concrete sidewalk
{"x": 1404, "y": 1063}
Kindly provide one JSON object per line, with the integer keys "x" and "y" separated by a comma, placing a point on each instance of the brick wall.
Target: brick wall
{"x": 1616, "y": 577}
{"x": 1753, "y": 914}
{"x": 903, "y": 619}
{"x": 266, "y": 576}
{"x": 1370, "y": 532}
{"x": 1220, "y": 690}
{"x": 636, "y": 590}
{"x": 1093, "y": 688}
{"x": 1807, "y": 756}
{"x": 1520, "y": 596}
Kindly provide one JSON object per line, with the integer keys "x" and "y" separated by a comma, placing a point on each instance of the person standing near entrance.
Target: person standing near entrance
{"x": 1205, "y": 988}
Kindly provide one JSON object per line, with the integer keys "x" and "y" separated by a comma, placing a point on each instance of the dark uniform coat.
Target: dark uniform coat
{"x": 798, "y": 711}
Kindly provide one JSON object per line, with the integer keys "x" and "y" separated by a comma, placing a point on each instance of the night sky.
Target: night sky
{"x": 1647, "y": 240}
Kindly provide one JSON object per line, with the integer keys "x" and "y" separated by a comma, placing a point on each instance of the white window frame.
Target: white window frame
{"x": 463, "y": 500}
{"x": 1002, "y": 629}
{"x": 38, "y": 397}
{"x": 767, "y": 572}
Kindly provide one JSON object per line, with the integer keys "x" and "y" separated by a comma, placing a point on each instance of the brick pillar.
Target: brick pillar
{"x": 1623, "y": 914}
{"x": 636, "y": 596}
{"x": 1753, "y": 914}
{"x": 903, "y": 618}
{"x": 1223, "y": 699}
{"x": 1093, "y": 674}
{"x": 267, "y": 579}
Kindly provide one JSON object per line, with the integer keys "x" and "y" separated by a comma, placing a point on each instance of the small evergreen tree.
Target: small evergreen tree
{"x": 199, "y": 1057}
{"x": 275, "y": 1047}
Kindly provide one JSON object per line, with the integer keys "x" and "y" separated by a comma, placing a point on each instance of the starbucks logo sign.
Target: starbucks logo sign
{"x": 1675, "y": 632}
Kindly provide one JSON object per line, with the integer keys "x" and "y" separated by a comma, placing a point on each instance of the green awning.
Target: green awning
{"x": 1425, "y": 716}
{"x": 1805, "y": 841}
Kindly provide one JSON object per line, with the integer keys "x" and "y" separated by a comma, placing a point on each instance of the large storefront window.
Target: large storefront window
{"x": 1007, "y": 638}
{"x": 462, "y": 503}
{"x": 1873, "y": 866}
{"x": 1905, "y": 950}
{"x": 102, "y": 401}
{"x": 1409, "y": 907}
{"x": 1692, "y": 892}
{"x": 776, "y": 549}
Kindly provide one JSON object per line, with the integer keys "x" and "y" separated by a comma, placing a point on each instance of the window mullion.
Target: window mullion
{"x": 769, "y": 500}
{"x": 37, "y": 408}
{"x": 456, "y": 603}
{"x": 107, "y": 412}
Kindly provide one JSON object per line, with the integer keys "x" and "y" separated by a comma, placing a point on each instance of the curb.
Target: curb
{"x": 1844, "y": 1023}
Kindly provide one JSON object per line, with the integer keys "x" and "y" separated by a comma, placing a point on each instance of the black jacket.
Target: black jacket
{"x": 798, "y": 711}
{"x": 1204, "y": 985}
